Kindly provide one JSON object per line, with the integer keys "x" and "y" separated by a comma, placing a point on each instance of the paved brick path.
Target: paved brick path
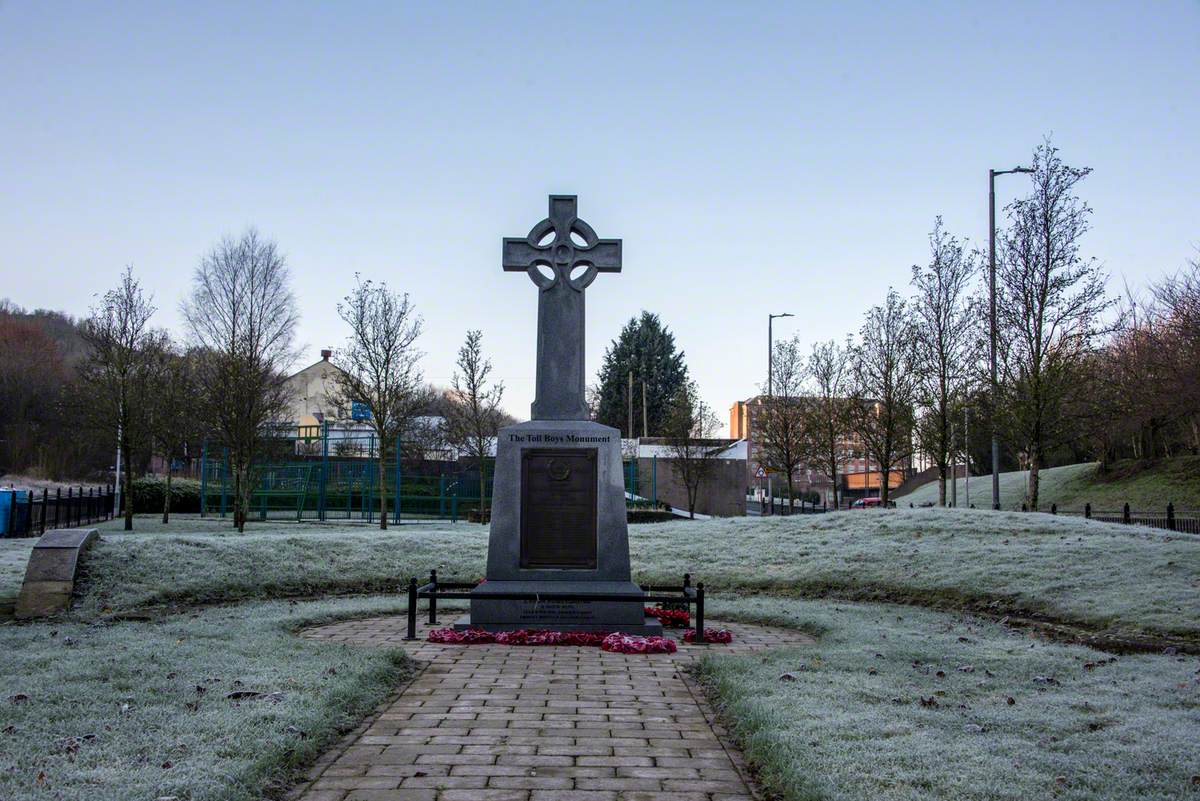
{"x": 521, "y": 723}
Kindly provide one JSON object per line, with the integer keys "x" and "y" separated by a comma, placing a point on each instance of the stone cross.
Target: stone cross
{"x": 574, "y": 255}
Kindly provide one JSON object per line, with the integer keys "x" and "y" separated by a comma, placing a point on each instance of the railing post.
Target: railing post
{"x": 1125, "y": 514}
{"x": 70, "y": 490}
{"x": 1054, "y": 508}
{"x": 1171, "y": 515}
{"x": 29, "y": 513}
{"x": 1024, "y": 507}
{"x": 45, "y": 500}
{"x": 699, "y": 637}
{"x": 687, "y": 579}
{"x": 57, "y": 505}
{"x": 412, "y": 609}
{"x": 1087, "y": 511}
{"x": 433, "y": 598}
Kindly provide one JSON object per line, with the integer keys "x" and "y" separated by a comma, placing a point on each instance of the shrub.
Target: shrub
{"x": 148, "y": 494}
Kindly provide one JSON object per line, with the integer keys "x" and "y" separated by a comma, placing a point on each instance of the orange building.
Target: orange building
{"x": 859, "y": 475}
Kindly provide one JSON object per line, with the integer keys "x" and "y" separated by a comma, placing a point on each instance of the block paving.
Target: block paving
{"x": 535, "y": 723}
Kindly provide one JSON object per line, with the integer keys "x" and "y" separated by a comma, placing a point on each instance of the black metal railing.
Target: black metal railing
{"x": 31, "y": 514}
{"x": 1187, "y": 522}
{"x": 687, "y": 595}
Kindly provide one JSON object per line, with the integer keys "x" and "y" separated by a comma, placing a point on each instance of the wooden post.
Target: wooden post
{"x": 699, "y": 637}
{"x": 1171, "y": 516}
{"x": 1087, "y": 511}
{"x": 1125, "y": 514}
{"x": 1054, "y": 508}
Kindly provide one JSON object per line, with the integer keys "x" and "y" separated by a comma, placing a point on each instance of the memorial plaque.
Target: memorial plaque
{"x": 558, "y": 509}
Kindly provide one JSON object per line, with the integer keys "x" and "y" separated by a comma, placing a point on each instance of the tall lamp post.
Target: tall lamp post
{"x": 992, "y": 317}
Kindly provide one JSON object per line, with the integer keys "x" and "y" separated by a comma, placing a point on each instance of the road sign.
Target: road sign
{"x": 761, "y": 473}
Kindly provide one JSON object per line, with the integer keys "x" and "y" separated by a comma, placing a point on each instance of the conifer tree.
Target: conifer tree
{"x": 645, "y": 348}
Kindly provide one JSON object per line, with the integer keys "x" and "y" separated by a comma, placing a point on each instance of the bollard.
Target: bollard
{"x": 1171, "y": 516}
{"x": 1125, "y": 514}
{"x": 433, "y": 598}
{"x": 412, "y": 609}
{"x": 1087, "y": 511}
{"x": 700, "y": 613}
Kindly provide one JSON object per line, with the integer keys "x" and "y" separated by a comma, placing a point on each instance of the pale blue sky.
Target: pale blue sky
{"x": 753, "y": 157}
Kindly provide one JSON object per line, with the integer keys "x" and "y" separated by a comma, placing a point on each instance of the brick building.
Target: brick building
{"x": 860, "y": 476}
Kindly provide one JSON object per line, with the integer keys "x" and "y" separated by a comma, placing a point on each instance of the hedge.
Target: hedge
{"x": 148, "y": 494}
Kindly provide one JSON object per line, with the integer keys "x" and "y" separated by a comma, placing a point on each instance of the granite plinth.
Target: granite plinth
{"x": 553, "y": 531}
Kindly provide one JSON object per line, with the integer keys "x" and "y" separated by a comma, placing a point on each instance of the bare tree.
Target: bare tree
{"x": 118, "y": 333}
{"x": 243, "y": 317}
{"x": 1050, "y": 301}
{"x": 691, "y": 425}
{"x": 782, "y": 419}
{"x": 824, "y": 425}
{"x": 473, "y": 416}
{"x": 945, "y": 339}
{"x": 379, "y": 367}
{"x": 1177, "y": 311}
{"x": 885, "y": 387}
{"x": 173, "y": 408}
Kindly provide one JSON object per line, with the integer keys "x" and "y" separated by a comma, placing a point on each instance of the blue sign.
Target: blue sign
{"x": 359, "y": 411}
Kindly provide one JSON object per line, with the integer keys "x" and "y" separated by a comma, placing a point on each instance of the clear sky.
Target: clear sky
{"x": 755, "y": 158}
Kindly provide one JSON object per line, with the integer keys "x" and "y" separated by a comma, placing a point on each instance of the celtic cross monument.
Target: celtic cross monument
{"x": 558, "y": 503}
{"x": 570, "y": 249}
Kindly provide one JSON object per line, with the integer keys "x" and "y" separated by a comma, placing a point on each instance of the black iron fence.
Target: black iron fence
{"x": 29, "y": 513}
{"x": 1186, "y": 521}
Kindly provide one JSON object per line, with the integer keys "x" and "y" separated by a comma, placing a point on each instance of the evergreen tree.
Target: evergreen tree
{"x": 646, "y": 348}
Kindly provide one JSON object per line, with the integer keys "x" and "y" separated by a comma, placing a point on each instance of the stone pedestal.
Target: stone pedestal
{"x": 558, "y": 525}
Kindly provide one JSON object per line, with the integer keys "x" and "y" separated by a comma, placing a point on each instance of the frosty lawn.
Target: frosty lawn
{"x": 1103, "y": 577}
{"x": 899, "y": 704}
{"x": 1122, "y": 728}
{"x": 142, "y": 710}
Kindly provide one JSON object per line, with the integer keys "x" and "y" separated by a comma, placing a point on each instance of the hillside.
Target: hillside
{"x": 1143, "y": 485}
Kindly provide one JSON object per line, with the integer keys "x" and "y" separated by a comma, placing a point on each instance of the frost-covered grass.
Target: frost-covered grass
{"x": 850, "y": 722}
{"x": 139, "y": 710}
{"x": 1101, "y": 576}
{"x": 1145, "y": 486}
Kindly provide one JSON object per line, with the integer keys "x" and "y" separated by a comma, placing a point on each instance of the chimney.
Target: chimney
{"x": 325, "y": 354}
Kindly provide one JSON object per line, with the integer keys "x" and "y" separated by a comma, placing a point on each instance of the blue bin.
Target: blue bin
{"x": 14, "y": 506}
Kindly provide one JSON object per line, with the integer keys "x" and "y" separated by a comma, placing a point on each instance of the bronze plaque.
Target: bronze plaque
{"x": 558, "y": 509}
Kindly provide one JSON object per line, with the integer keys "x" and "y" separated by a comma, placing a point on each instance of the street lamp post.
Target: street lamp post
{"x": 992, "y": 302}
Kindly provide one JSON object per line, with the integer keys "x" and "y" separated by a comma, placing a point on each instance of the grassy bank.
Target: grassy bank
{"x": 905, "y": 704}
{"x": 1118, "y": 579}
{"x": 1145, "y": 486}
{"x": 143, "y": 710}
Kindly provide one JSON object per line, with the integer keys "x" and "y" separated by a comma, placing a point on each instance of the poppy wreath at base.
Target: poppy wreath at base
{"x": 670, "y": 618}
{"x": 630, "y": 644}
{"x": 614, "y": 642}
{"x": 722, "y": 636}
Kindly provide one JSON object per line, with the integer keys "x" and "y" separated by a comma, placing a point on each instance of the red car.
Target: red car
{"x": 872, "y": 503}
